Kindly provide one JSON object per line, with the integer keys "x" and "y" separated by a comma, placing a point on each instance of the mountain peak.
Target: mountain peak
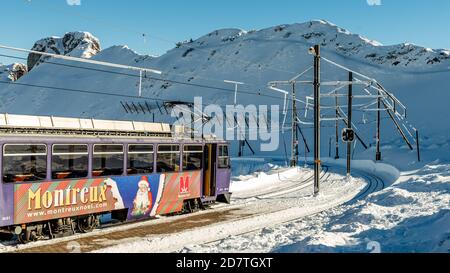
{"x": 331, "y": 37}
{"x": 76, "y": 44}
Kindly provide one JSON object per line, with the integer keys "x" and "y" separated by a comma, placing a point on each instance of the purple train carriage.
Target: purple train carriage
{"x": 59, "y": 175}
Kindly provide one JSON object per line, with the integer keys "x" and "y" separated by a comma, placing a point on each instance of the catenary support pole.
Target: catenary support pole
{"x": 317, "y": 162}
{"x": 378, "y": 154}
{"x": 294, "y": 158}
{"x": 349, "y": 125}
{"x": 418, "y": 145}
{"x": 337, "y": 127}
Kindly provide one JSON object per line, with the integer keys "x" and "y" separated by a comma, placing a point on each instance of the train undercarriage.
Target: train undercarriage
{"x": 65, "y": 227}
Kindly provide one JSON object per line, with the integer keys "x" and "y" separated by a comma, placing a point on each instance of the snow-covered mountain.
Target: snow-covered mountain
{"x": 76, "y": 44}
{"x": 12, "y": 72}
{"x": 418, "y": 76}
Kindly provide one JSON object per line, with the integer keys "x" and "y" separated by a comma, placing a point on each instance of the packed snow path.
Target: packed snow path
{"x": 266, "y": 200}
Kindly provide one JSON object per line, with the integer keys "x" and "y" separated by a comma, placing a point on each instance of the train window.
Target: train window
{"x": 24, "y": 163}
{"x": 107, "y": 160}
{"x": 140, "y": 159}
{"x": 70, "y": 161}
{"x": 168, "y": 158}
{"x": 224, "y": 157}
{"x": 192, "y": 157}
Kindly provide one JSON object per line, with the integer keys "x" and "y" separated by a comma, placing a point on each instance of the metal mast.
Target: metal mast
{"x": 317, "y": 162}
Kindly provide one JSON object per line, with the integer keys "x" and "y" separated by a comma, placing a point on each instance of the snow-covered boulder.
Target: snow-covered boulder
{"x": 76, "y": 44}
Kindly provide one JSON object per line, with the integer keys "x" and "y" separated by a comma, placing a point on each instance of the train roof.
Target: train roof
{"x": 43, "y": 126}
{"x": 56, "y": 123}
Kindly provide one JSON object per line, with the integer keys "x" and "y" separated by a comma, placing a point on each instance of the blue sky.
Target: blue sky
{"x": 167, "y": 21}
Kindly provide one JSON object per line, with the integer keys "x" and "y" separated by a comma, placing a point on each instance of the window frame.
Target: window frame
{"x": 179, "y": 152}
{"x": 4, "y": 154}
{"x": 71, "y": 144}
{"x": 24, "y": 144}
{"x": 193, "y": 152}
{"x": 219, "y": 156}
{"x": 153, "y": 153}
{"x": 107, "y": 153}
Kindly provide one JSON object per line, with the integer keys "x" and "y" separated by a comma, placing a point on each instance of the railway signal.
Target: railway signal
{"x": 348, "y": 135}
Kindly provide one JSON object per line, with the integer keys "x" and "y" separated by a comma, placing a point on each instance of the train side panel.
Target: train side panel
{"x": 6, "y": 200}
{"x": 177, "y": 188}
{"x": 6, "y": 205}
{"x": 223, "y": 181}
{"x": 143, "y": 196}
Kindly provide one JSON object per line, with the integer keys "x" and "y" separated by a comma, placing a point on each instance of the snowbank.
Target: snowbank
{"x": 413, "y": 215}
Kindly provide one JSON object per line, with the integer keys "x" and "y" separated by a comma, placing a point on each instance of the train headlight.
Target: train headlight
{"x": 18, "y": 230}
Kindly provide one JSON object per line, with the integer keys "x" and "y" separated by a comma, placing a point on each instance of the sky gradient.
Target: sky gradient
{"x": 166, "y": 22}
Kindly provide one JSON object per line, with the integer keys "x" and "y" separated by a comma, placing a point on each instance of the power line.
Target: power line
{"x": 83, "y": 60}
{"x": 91, "y": 92}
{"x": 146, "y": 77}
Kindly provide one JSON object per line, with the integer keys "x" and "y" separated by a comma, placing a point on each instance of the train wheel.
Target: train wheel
{"x": 87, "y": 224}
{"x": 27, "y": 236}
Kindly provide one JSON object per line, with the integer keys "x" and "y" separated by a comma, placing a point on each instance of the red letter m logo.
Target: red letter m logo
{"x": 184, "y": 185}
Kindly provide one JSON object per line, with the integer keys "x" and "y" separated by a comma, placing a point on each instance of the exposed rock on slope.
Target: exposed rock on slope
{"x": 76, "y": 44}
{"x": 12, "y": 72}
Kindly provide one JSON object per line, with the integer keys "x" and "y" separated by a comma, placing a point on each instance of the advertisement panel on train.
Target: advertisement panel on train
{"x": 144, "y": 196}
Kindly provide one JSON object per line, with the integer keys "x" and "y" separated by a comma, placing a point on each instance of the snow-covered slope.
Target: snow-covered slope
{"x": 411, "y": 216}
{"x": 419, "y": 77}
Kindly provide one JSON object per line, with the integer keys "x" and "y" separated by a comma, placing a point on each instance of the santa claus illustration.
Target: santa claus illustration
{"x": 142, "y": 203}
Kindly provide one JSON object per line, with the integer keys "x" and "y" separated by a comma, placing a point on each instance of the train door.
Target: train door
{"x": 209, "y": 182}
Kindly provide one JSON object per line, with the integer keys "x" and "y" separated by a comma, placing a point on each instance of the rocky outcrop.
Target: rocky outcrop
{"x": 76, "y": 44}
{"x": 12, "y": 72}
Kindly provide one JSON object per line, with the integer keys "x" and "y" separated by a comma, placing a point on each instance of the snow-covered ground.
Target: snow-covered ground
{"x": 412, "y": 215}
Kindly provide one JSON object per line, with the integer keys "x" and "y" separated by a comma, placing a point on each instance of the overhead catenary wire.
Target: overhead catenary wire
{"x": 82, "y": 60}
{"x": 148, "y": 77}
{"x": 92, "y": 92}
{"x": 336, "y": 83}
{"x": 137, "y": 97}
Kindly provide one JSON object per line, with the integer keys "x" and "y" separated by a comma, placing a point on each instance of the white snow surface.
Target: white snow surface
{"x": 411, "y": 215}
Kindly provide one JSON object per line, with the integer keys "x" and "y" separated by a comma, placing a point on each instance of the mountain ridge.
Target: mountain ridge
{"x": 198, "y": 68}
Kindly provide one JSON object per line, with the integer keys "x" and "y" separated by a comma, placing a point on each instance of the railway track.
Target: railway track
{"x": 109, "y": 235}
{"x": 375, "y": 184}
{"x": 294, "y": 186}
